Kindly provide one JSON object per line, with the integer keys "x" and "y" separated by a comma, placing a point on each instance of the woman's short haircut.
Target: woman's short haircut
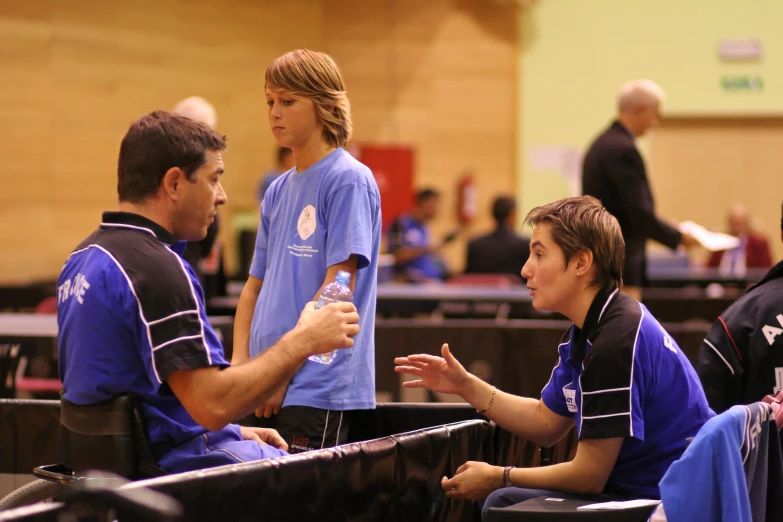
{"x": 582, "y": 223}
{"x": 315, "y": 75}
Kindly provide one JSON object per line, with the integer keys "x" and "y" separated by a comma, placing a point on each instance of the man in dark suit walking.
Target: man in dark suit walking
{"x": 502, "y": 251}
{"x": 613, "y": 171}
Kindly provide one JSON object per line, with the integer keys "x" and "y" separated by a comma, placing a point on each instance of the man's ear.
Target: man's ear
{"x": 172, "y": 181}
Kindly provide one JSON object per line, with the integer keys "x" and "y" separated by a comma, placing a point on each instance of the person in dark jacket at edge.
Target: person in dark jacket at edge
{"x": 741, "y": 359}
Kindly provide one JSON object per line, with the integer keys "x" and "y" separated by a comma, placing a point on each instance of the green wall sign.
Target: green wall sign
{"x": 742, "y": 83}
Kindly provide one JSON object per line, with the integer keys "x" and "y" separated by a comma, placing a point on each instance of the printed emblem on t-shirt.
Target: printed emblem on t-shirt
{"x": 305, "y": 226}
{"x": 570, "y": 397}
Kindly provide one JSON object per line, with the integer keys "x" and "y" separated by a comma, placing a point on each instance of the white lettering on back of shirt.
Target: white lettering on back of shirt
{"x": 771, "y": 332}
{"x": 76, "y": 287}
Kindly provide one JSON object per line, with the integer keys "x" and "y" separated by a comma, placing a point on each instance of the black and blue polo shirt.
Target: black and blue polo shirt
{"x": 622, "y": 375}
{"x": 130, "y": 311}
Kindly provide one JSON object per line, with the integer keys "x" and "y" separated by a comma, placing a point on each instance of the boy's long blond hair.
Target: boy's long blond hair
{"x": 315, "y": 75}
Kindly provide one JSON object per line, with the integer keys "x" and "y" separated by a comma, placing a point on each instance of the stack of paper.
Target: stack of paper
{"x": 627, "y": 504}
{"x": 712, "y": 241}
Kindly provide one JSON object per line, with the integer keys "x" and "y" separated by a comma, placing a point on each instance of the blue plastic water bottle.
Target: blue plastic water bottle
{"x": 335, "y": 292}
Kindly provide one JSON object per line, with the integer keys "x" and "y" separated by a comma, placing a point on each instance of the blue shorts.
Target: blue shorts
{"x": 216, "y": 448}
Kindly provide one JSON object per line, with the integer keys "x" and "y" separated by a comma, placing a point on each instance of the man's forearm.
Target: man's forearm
{"x": 241, "y": 389}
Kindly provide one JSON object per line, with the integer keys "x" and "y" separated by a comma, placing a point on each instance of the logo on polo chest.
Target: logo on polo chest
{"x": 570, "y": 397}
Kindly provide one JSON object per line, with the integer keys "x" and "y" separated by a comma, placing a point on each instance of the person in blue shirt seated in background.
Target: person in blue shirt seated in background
{"x": 416, "y": 258}
{"x": 131, "y": 312}
{"x": 620, "y": 379}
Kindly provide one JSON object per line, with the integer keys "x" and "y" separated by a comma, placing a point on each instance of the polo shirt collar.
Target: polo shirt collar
{"x": 131, "y": 221}
{"x": 599, "y": 305}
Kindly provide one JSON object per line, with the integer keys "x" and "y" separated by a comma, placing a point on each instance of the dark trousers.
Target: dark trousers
{"x": 305, "y": 428}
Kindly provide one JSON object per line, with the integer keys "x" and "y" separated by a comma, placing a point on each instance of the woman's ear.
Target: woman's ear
{"x": 584, "y": 261}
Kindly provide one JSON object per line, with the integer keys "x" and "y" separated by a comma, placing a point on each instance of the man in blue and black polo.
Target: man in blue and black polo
{"x": 131, "y": 311}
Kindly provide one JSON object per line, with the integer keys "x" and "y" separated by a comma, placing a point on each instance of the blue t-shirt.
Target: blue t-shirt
{"x": 130, "y": 312}
{"x": 266, "y": 182}
{"x": 622, "y": 375}
{"x": 309, "y": 222}
{"x": 408, "y": 232}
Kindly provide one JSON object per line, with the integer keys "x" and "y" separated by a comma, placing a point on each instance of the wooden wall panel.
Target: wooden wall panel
{"x": 76, "y": 73}
{"x": 700, "y": 167}
{"x": 439, "y": 76}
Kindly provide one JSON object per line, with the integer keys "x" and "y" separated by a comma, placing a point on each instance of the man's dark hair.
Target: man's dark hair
{"x": 502, "y": 207}
{"x": 282, "y": 152}
{"x": 156, "y": 143}
{"x": 426, "y": 195}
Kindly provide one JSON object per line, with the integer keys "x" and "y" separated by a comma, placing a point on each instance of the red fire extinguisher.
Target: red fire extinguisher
{"x": 467, "y": 199}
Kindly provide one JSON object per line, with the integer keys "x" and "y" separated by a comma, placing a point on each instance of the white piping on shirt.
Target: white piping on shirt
{"x": 141, "y": 310}
{"x": 609, "y": 300}
{"x": 606, "y": 391}
{"x": 719, "y": 355}
{"x": 122, "y": 225}
{"x": 609, "y": 415}
{"x": 195, "y": 299}
{"x": 633, "y": 359}
{"x": 156, "y": 321}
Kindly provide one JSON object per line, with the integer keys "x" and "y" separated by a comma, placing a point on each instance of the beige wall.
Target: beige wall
{"x": 576, "y": 54}
{"x": 705, "y": 165}
{"x": 437, "y": 75}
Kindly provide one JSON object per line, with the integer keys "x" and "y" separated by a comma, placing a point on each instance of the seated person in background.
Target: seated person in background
{"x": 285, "y": 162}
{"x": 753, "y": 251}
{"x": 741, "y": 360}
{"x": 502, "y": 251}
{"x": 621, "y": 380}
{"x": 416, "y": 259}
{"x": 131, "y": 311}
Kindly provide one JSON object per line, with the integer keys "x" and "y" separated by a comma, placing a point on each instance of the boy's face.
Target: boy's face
{"x": 292, "y": 118}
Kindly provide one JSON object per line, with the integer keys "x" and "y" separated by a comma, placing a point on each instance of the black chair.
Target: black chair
{"x": 100, "y": 497}
{"x": 110, "y": 436}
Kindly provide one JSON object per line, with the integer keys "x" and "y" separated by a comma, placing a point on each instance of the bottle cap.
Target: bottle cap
{"x": 343, "y": 276}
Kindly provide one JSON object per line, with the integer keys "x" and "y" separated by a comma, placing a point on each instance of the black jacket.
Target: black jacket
{"x": 613, "y": 171}
{"x": 741, "y": 360}
{"x": 501, "y": 252}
